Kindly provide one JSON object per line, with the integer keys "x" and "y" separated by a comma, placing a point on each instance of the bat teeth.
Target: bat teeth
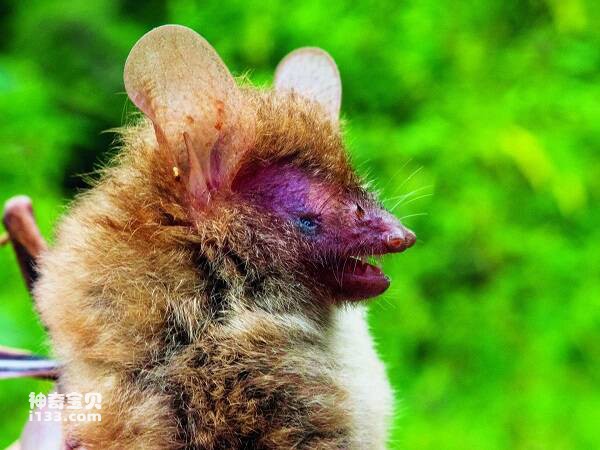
{"x": 372, "y": 260}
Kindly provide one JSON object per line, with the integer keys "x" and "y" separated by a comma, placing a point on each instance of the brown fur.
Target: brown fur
{"x": 197, "y": 328}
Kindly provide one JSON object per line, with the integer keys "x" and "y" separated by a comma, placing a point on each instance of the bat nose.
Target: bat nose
{"x": 400, "y": 239}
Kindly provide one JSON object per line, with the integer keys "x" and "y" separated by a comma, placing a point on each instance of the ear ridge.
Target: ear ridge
{"x": 176, "y": 78}
{"x": 312, "y": 73}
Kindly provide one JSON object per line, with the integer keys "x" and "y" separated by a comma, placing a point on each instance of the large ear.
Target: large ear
{"x": 312, "y": 73}
{"x": 200, "y": 118}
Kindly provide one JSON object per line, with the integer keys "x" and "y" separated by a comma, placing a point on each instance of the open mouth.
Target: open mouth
{"x": 357, "y": 278}
{"x": 357, "y": 275}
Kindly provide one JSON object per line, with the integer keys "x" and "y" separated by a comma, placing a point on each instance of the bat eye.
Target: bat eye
{"x": 360, "y": 213}
{"x": 307, "y": 224}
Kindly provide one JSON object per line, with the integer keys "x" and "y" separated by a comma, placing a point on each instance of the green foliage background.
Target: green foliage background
{"x": 484, "y": 115}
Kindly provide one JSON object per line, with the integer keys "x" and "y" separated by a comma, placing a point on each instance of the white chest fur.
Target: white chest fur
{"x": 364, "y": 377}
{"x": 357, "y": 368}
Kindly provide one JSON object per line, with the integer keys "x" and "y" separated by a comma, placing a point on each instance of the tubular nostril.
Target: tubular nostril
{"x": 401, "y": 240}
{"x": 395, "y": 241}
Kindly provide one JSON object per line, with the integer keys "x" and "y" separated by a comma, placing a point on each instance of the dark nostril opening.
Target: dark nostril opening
{"x": 395, "y": 241}
{"x": 401, "y": 240}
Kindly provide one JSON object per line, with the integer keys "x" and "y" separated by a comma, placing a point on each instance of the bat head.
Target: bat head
{"x": 261, "y": 178}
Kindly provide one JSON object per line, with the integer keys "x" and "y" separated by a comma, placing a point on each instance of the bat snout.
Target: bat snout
{"x": 399, "y": 239}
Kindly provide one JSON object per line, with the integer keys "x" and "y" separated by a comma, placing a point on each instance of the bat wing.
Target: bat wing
{"x": 28, "y": 244}
{"x": 15, "y": 363}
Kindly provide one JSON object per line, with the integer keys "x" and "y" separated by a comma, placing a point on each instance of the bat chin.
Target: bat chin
{"x": 355, "y": 279}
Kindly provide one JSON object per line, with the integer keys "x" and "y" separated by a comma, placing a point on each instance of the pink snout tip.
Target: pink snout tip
{"x": 400, "y": 240}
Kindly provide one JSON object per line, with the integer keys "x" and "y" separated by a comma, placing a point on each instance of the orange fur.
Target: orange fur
{"x": 195, "y": 325}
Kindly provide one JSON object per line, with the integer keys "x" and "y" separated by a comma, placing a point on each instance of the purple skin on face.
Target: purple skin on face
{"x": 342, "y": 227}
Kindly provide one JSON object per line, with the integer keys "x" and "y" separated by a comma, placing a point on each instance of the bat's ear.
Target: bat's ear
{"x": 175, "y": 77}
{"x": 311, "y": 73}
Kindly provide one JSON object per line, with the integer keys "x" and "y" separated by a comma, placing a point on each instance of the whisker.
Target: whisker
{"x": 413, "y": 215}
{"x": 408, "y": 194}
{"x": 416, "y": 171}
{"x": 397, "y": 172}
{"x": 414, "y": 199}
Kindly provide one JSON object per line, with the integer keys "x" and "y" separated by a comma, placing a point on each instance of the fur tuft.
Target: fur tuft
{"x": 200, "y": 327}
